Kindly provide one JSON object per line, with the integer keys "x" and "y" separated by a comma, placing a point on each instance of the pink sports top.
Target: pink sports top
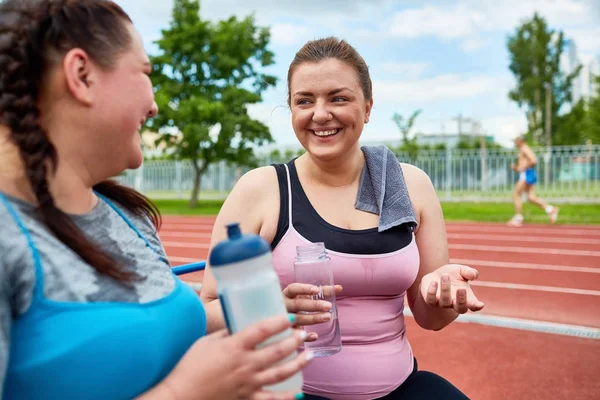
{"x": 375, "y": 270}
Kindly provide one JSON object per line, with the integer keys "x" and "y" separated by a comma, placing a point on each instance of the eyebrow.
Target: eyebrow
{"x": 331, "y": 93}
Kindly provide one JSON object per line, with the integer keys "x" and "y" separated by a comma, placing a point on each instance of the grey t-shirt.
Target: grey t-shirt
{"x": 67, "y": 278}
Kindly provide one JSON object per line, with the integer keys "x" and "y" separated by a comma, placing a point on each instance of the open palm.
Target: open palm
{"x": 448, "y": 287}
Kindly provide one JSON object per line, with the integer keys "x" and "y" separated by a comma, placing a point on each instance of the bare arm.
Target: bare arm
{"x": 433, "y": 247}
{"x": 254, "y": 194}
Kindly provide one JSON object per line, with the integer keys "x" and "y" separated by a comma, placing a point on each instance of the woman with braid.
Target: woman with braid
{"x": 89, "y": 308}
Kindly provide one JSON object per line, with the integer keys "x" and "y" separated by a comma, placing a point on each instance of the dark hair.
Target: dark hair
{"x": 319, "y": 50}
{"x": 34, "y": 37}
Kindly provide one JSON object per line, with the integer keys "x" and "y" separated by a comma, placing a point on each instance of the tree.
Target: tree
{"x": 408, "y": 144}
{"x": 535, "y": 54}
{"x": 593, "y": 115}
{"x": 571, "y": 127}
{"x": 205, "y": 75}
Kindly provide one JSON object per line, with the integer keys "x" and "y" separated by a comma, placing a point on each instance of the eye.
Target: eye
{"x": 302, "y": 101}
{"x": 339, "y": 99}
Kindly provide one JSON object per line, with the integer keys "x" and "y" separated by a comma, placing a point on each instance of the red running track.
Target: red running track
{"x": 546, "y": 273}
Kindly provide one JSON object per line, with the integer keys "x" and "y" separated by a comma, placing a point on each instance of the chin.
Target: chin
{"x": 324, "y": 153}
{"x": 135, "y": 159}
{"x": 135, "y": 163}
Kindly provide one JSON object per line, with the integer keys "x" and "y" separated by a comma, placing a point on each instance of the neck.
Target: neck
{"x": 343, "y": 171}
{"x": 71, "y": 190}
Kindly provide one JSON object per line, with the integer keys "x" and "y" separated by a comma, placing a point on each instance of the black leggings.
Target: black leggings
{"x": 419, "y": 385}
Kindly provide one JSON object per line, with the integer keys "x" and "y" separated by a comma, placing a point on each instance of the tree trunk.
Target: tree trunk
{"x": 198, "y": 172}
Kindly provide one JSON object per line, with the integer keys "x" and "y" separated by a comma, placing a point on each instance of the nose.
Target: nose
{"x": 321, "y": 114}
{"x": 153, "y": 110}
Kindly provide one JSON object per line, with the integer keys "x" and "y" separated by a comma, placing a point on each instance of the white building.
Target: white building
{"x": 593, "y": 70}
{"x": 569, "y": 62}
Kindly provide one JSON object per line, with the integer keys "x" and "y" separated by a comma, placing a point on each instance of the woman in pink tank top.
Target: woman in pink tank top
{"x": 314, "y": 199}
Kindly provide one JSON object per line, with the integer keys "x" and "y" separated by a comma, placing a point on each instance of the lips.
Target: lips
{"x": 326, "y": 132}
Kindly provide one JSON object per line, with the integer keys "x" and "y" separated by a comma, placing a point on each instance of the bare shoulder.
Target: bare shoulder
{"x": 256, "y": 182}
{"x": 416, "y": 179}
{"x": 420, "y": 188}
{"x": 251, "y": 202}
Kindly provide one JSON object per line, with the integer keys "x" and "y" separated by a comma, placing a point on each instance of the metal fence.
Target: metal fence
{"x": 565, "y": 174}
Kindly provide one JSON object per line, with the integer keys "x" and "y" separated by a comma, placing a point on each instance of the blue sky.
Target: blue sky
{"x": 444, "y": 57}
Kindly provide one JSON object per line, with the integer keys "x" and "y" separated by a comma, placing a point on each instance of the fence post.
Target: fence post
{"x": 139, "y": 179}
{"x": 448, "y": 173}
{"x": 547, "y": 158}
{"x": 222, "y": 177}
{"x": 483, "y": 156}
{"x": 178, "y": 179}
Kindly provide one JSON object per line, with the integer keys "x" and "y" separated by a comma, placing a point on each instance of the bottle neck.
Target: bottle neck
{"x": 311, "y": 252}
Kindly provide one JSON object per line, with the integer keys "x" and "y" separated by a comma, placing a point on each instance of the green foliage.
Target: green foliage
{"x": 466, "y": 143}
{"x": 570, "y": 127}
{"x": 535, "y": 53}
{"x": 409, "y": 144}
{"x": 205, "y": 76}
{"x": 592, "y": 130}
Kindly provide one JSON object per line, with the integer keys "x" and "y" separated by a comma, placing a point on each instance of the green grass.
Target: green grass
{"x": 502, "y": 212}
{"x": 453, "y": 211}
{"x": 181, "y": 207}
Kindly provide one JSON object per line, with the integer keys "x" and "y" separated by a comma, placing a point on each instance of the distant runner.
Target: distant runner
{"x": 526, "y": 162}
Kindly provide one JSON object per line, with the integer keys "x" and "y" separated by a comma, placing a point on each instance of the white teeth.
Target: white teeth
{"x": 326, "y": 133}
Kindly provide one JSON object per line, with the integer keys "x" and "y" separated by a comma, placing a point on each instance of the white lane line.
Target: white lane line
{"x": 197, "y": 286}
{"x": 186, "y": 245}
{"x": 534, "y": 250}
{"x": 556, "y": 230}
{"x": 546, "y": 267}
{"x": 183, "y": 259}
{"x": 536, "y": 288}
{"x": 514, "y": 238}
{"x": 526, "y": 325}
{"x": 187, "y": 226}
{"x": 198, "y": 235}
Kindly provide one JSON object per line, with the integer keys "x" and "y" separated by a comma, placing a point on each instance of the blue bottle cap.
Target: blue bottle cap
{"x": 237, "y": 247}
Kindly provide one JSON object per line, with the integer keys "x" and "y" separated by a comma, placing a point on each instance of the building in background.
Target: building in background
{"x": 593, "y": 71}
{"x": 569, "y": 62}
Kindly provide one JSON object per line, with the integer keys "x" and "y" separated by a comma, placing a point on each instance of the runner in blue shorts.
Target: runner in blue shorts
{"x": 526, "y": 162}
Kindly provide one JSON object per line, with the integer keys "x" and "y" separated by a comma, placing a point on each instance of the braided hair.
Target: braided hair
{"x": 34, "y": 36}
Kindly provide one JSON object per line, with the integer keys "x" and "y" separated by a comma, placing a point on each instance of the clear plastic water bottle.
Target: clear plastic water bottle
{"x": 249, "y": 289}
{"x": 313, "y": 267}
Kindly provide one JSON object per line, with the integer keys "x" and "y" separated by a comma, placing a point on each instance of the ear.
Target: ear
{"x": 368, "y": 108}
{"x": 80, "y": 73}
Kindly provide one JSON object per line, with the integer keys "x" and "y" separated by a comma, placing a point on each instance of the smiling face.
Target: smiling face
{"x": 328, "y": 106}
{"x": 125, "y": 100}
{"x": 102, "y": 108}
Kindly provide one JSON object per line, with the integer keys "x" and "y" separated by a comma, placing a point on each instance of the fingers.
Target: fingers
{"x": 445, "y": 292}
{"x": 218, "y": 334}
{"x": 312, "y": 337}
{"x": 312, "y": 319}
{"x": 473, "y": 303}
{"x": 468, "y": 273}
{"x": 299, "y": 304}
{"x": 431, "y": 297}
{"x": 331, "y": 290}
{"x": 300, "y": 289}
{"x": 460, "y": 305}
{"x": 278, "y": 351}
{"x": 283, "y": 371}
{"x": 261, "y": 331}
